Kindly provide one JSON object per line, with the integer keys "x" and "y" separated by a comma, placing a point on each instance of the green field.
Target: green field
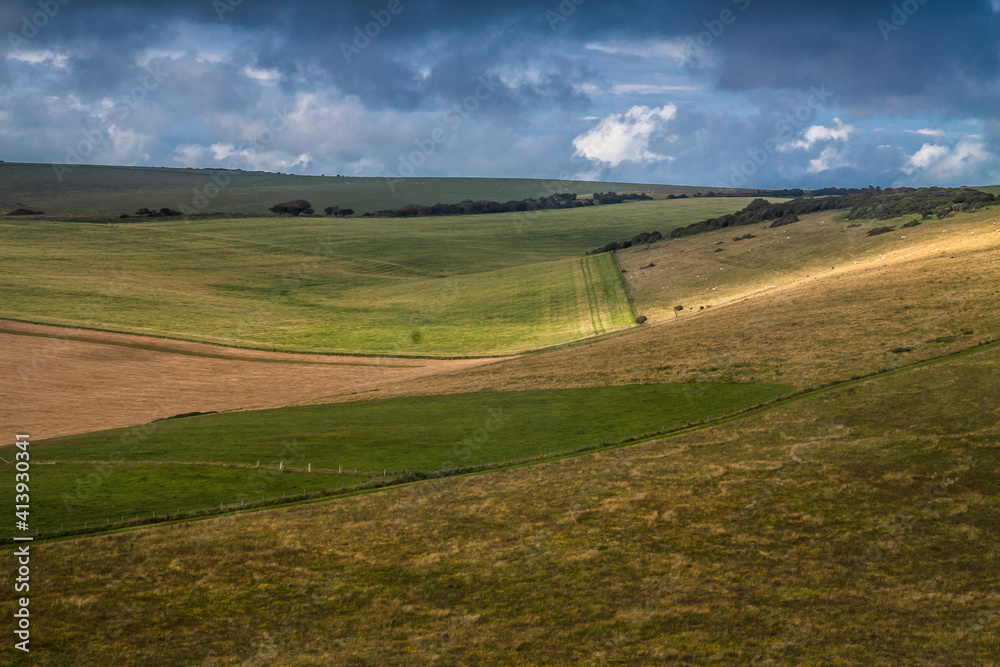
{"x": 110, "y": 191}
{"x": 455, "y": 286}
{"x": 856, "y": 526}
{"x": 180, "y": 464}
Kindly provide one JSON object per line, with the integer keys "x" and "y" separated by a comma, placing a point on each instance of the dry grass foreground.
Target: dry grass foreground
{"x": 831, "y": 326}
{"x": 853, "y": 527}
{"x": 64, "y": 381}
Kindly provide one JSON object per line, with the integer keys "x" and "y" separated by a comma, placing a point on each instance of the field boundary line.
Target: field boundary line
{"x": 593, "y": 302}
{"x": 624, "y": 283}
{"x": 191, "y": 353}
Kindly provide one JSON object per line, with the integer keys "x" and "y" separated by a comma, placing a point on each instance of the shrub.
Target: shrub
{"x": 642, "y": 319}
{"x": 880, "y": 230}
{"x": 294, "y": 207}
{"x": 911, "y": 223}
{"x": 26, "y": 211}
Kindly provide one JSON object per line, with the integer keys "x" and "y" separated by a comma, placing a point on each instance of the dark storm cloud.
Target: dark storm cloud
{"x": 939, "y": 48}
{"x": 732, "y": 68}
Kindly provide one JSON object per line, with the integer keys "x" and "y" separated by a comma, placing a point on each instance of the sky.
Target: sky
{"x": 729, "y": 93}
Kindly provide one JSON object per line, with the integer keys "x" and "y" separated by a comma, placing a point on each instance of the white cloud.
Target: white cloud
{"x": 829, "y": 159}
{"x": 837, "y": 131}
{"x": 626, "y": 137}
{"x": 127, "y": 146}
{"x": 927, "y": 132}
{"x": 650, "y": 89}
{"x": 42, "y": 57}
{"x": 925, "y": 157}
{"x": 261, "y": 74}
{"x": 943, "y": 163}
{"x": 231, "y": 156}
{"x": 684, "y": 52}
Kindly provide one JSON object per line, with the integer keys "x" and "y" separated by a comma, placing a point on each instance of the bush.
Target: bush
{"x": 880, "y": 230}
{"x": 638, "y": 239}
{"x": 294, "y": 207}
{"x": 642, "y": 319}
{"x": 911, "y": 223}
{"x": 26, "y": 211}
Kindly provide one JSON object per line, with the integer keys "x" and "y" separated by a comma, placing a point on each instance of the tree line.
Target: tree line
{"x": 303, "y": 207}
{"x": 870, "y": 203}
{"x": 470, "y": 207}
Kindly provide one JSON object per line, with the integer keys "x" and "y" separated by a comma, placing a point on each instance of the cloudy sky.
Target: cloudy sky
{"x": 764, "y": 93}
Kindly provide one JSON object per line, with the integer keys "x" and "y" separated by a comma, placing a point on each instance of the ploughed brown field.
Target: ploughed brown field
{"x": 74, "y": 380}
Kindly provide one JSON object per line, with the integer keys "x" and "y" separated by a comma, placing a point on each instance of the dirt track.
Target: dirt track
{"x": 61, "y": 381}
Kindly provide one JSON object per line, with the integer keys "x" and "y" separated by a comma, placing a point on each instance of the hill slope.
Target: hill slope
{"x": 456, "y": 286}
{"x": 89, "y": 190}
{"x": 855, "y": 526}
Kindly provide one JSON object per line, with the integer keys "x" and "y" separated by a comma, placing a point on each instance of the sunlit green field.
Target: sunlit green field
{"x": 454, "y": 286}
{"x": 183, "y": 465}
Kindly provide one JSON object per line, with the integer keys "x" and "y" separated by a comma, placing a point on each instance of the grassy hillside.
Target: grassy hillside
{"x": 714, "y": 268}
{"x": 109, "y": 191}
{"x": 184, "y": 464}
{"x": 853, "y": 527}
{"x": 442, "y": 286}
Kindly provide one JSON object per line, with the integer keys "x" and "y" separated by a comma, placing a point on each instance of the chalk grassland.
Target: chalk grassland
{"x": 110, "y": 191}
{"x": 74, "y": 381}
{"x": 712, "y": 269}
{"x": 448, "y": 287}
{"x": 181, "y": 464}
{"x": 858, "y": 526}
{"x": 887, "y": 311}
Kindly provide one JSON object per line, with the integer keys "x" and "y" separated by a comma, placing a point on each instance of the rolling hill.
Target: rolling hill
{"x": 94, "y": 190}
{"x": 851, "y": 521}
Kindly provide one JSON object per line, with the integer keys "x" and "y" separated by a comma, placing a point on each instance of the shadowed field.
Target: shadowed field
{"x": 90, "y": 190}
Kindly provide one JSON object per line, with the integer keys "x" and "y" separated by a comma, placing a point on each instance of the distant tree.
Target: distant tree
{"x": 143, "y": 211}
{"x": 294, "y": 207}
{"x": 677, "y": 310}
{"x": 642, "y": 319}
{"x": 331, "y": 210}
{"x": 345, "y": 212}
